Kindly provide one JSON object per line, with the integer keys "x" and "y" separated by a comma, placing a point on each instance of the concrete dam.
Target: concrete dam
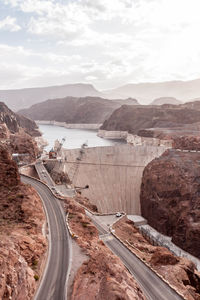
{"x": 113, "y": 174}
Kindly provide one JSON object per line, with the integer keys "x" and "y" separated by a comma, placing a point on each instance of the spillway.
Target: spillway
{"x": 113, "y": 174}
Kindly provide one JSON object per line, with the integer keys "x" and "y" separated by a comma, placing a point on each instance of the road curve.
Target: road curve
{"x": 152, "y": 285}
{"x": 52, "y": 286}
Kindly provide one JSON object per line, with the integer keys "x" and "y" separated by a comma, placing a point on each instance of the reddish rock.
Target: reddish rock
{"x": 22, "y": 245}
{"x": 170, "y": 198}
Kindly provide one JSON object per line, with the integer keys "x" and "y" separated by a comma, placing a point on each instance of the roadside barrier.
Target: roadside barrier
{"x": 148, "y": 265}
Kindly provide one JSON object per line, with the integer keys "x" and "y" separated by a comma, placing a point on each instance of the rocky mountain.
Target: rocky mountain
{"x": 147, "y": 92}
{"x": 166, "y": 100}
{"x": 170, "y": 198}
{"x": 17, "y": 133}
{"x": 23, "y": 98}
{"x": 135, "y": 118}
{"x": 75, "y": 110}
{"x": 14, "y": 122}
{"x": 22, "y": 244}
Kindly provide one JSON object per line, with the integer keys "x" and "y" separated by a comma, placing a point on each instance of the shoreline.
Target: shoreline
{"x": 69, "y": 126}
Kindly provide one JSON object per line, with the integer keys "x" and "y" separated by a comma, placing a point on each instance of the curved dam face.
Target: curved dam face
{"x": 113, "y": 174}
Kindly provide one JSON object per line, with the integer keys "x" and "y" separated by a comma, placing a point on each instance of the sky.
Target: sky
{"x": 107, "y": 43}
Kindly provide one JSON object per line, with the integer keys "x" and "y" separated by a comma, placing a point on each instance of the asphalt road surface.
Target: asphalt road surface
{"x": 43, "y": 174}
{"x": 153, "y": 286}
{"x": 52, "y": 286}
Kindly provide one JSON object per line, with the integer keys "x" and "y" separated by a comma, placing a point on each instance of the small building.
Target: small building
{"x": 52, "y": 154}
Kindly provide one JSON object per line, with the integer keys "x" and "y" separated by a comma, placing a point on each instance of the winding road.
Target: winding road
{"x": 152, "y": 285}
{"x": 53, "y": 283}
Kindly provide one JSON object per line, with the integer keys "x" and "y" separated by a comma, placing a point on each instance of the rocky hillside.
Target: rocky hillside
{"x": 135, "y": 118}
{"x": 14, "y": 121}
{"x": 22, "y": 98}
{"x": 75, "y": 110}
{"x": 22, "y": 245}
{"x": 17, "y": 133}
{"x": 170, "y": 198}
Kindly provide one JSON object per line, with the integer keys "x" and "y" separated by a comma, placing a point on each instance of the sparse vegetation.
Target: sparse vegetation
{"x": 36, "y": 277}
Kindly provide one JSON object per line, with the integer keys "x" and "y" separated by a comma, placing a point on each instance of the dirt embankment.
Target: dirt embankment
{"x": 22, "y": 245}
{"x": 102, "y": 276}
{"x": 170, "y": 198}
{"x": 180, "y": 272}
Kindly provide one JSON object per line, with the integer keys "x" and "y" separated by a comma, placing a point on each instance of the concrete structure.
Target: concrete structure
{"x": 157, "y": 238}
{"x": 113, "y": 174}
{"x": 134, "y": 139}
{"x": 138, "y": 220}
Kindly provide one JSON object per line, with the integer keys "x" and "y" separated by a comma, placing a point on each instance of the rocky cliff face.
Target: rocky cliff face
{"x": 170, "y": 198}
{"x": 22, "y": 244}
{"x": 17, "y": 133}
{"x": 14, "y": 122}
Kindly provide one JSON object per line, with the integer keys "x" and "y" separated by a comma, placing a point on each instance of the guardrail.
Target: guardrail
{"x": 147, "y": 264}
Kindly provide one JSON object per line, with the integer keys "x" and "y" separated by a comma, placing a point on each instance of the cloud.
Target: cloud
{"x": 9, "y": 24}
{"x": 106, "y": 42}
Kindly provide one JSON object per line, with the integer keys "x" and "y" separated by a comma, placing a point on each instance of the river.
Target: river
{"x": 74, "y": 137}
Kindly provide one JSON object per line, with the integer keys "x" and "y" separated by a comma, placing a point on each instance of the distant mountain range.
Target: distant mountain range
{"x": 23, "y": 98}
{"x": 144, "y": 92}
{"x": 147, "y": 92}
{"x": 166, "y": 100}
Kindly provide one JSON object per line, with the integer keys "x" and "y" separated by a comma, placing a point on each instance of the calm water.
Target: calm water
{"x": 74, "y": 137}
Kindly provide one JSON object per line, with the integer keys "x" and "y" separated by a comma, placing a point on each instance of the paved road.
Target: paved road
{"x": 153, "y": 287}
{"x": 52, "y": 286}
{"x": 43, "y": 174}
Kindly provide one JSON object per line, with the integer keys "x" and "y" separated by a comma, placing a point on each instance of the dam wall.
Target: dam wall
{"x": 113, "y": 174}
{"x": 134, "y": 139}
{"x": 69, "y": 126}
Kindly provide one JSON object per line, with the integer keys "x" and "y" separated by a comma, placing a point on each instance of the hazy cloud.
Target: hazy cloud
{"x": 106, "y": 42}
{"x": 9, "y": 24}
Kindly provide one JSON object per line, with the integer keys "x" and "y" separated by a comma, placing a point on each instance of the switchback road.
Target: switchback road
{"x": 52, "y": 286}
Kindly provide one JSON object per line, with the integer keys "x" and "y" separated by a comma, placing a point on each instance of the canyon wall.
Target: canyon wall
{"x": 113, "y": 174}
{"x": 22, "y": 244}
{"x": 170, "y": 197}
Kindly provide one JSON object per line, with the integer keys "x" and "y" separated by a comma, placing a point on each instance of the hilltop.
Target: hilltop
{"x": 86, "y": 110}
{"x": 135, "y": 118}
